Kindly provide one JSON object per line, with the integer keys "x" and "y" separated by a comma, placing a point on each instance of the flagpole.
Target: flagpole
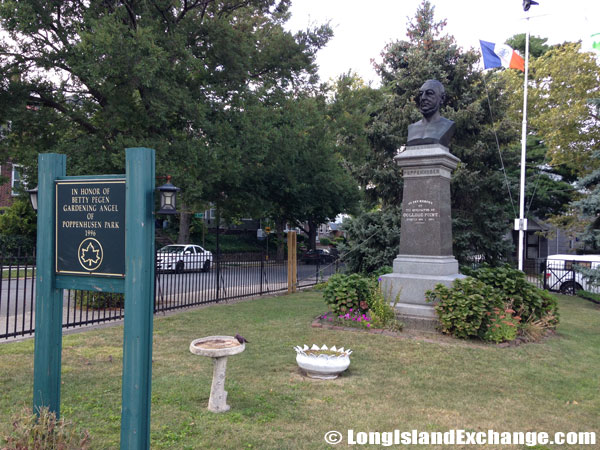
{"x": 522, "y": 225}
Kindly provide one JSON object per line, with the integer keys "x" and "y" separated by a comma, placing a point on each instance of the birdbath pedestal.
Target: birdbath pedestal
{"x": 218, "y": 348}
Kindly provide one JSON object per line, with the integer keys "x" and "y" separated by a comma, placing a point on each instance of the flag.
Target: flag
{"x": 500, "y": 55}
{"x": 596, "y": 41}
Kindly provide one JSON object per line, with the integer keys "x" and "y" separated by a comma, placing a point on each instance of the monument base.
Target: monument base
{"x": 413, "y": 276}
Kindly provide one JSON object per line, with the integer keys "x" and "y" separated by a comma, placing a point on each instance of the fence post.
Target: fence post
{"x": 262, "y": 271}
{"x": 292, "y": 275}
{"x": 49, "y": 301}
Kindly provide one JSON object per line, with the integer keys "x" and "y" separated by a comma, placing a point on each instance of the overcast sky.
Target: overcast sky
{"x": 363, "y": 28}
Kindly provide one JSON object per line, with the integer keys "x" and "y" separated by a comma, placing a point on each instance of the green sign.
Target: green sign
{"x": 199, "y": 215}
{"x": 90, "y": 227}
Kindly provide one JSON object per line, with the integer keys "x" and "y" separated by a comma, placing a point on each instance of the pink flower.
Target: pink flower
{"x": 368, "y": 325}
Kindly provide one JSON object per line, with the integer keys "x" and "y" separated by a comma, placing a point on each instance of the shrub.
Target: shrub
{"x": 100, "y": 300}
{"x": 502, "y": 325}
{"x": 45, "y": 432}
{"x": 358, "y": 301}
{"x": 528, "y": 301}
{"x": 383, "y": 315}
{"x": 325, "y": 241}
{"x": 589, "y": 296}
{"x": 372, "y": 240}
{"x": 462, "y": 308}
{"x": 384, "y": 270}
{"x": 344, "y": 292}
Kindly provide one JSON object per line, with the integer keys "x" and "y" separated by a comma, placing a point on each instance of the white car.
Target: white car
{"x": 560, "y": 275}
{"x": 181, "y": 257}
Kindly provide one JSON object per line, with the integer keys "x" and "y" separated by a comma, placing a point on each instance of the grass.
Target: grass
{"x": 15, "y": 273}
{"x": 392, "y": 383}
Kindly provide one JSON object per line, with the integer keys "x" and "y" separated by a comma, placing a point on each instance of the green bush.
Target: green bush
{"x": 356, "y": 300}
{"x": 372, "y": 240}
{"x": 43, "y": 432}
{"x": 462, "y": 309}
{"x": 502, "y": 325}
{"x": 589, "y": 296}
{"x": 325, "y": 241}
{"x": 529, "y": 302}
{"x": 99, "y": 300}
{"x": 384, "y": 270}
{"x": 344, "y": 292}
{"x": 383, "y": 315}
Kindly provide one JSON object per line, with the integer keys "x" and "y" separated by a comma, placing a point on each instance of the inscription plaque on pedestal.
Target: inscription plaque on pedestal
{"x": 90, "y": 227}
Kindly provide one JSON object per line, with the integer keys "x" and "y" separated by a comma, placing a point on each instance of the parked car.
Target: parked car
{"x": 560, "y": 275}
{"x": 181, "y": 257}
{"x": 318, "y": 256}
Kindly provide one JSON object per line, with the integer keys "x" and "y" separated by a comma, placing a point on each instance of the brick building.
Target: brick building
{"x": 11, "y": 176}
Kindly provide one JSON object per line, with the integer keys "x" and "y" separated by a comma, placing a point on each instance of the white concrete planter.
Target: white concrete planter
{"x": 322, "y": 363}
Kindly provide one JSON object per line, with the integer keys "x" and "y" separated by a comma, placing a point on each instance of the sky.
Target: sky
{"x": 363, "y": 28}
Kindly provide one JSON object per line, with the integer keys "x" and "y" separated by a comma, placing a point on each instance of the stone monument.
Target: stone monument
{"x": 425, "y": 258}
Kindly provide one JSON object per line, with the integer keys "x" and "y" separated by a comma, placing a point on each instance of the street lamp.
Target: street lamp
{"x": 168, "y": 194}
{"x": 33, "y": 197}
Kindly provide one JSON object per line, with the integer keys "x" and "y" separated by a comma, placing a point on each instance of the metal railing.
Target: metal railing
{"x": 230, "y": 276}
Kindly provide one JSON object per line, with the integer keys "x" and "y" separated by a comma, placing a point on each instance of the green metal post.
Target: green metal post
{"x": 48, "y": 299}
{"x": 139, "y": 300}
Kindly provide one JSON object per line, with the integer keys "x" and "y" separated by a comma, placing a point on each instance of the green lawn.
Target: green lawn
{"x": 392, "y": 383}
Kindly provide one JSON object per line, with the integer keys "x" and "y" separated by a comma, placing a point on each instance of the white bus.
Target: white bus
{"x": 560, "y": 275}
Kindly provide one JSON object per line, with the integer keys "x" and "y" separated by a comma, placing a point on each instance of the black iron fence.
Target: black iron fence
{"x": 555, "y": 275}
{"x": 228, "y": 277}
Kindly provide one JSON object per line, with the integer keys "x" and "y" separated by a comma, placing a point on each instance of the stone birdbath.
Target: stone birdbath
{"x": 218, "y": 348}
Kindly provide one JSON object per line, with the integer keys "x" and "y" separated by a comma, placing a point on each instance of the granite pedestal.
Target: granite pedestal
{"x": 425, "y": 258}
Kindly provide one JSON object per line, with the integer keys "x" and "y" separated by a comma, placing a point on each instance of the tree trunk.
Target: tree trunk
{"x": 312, "y": 235}
{"x": 184, "y": 228}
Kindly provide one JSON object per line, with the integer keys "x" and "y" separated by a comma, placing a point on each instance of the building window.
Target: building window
{"x": 16, "y": 180}
{"x": 533, "y": 246}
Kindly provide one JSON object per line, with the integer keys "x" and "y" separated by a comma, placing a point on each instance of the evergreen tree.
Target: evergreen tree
{"x": 480, "y": 207}
{"x": 588, "y": 209}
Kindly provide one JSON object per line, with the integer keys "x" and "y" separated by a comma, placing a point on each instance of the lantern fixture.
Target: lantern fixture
{"x": 33, "y": 197}
{"x": 168, "y": 194}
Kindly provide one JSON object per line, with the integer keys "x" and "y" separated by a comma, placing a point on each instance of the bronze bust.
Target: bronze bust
{"x": 433, "y": 128}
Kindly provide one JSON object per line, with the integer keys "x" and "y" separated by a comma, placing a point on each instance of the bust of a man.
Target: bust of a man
{"x": 433, "y": 128}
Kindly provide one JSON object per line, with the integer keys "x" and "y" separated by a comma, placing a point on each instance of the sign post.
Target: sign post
{"x": 96, "y": 233}
{"x": 49, "y": 301}
{"x": 139, "y": 300}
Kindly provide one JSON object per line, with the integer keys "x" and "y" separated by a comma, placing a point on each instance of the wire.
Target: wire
{"x": 498, "y": 147}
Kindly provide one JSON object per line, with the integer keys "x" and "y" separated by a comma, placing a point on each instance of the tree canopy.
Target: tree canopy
{"x": 192, "y": 79}
{"x": 564, "y": 84}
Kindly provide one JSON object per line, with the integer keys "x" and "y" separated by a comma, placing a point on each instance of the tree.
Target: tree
{"x": 548, "y": 189}
{"x": 588, "y": 209}
{"x": 18, "y": 225}
{"x": 351, "y": 105}
{"x": 296, "y": 172}
{"x": 373, "y": 240}
{"x": 537, "y": 44}
{"x": 89, "y": 79}
{"x": 564, "y": 84}
{"x": 481, "y": 212}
